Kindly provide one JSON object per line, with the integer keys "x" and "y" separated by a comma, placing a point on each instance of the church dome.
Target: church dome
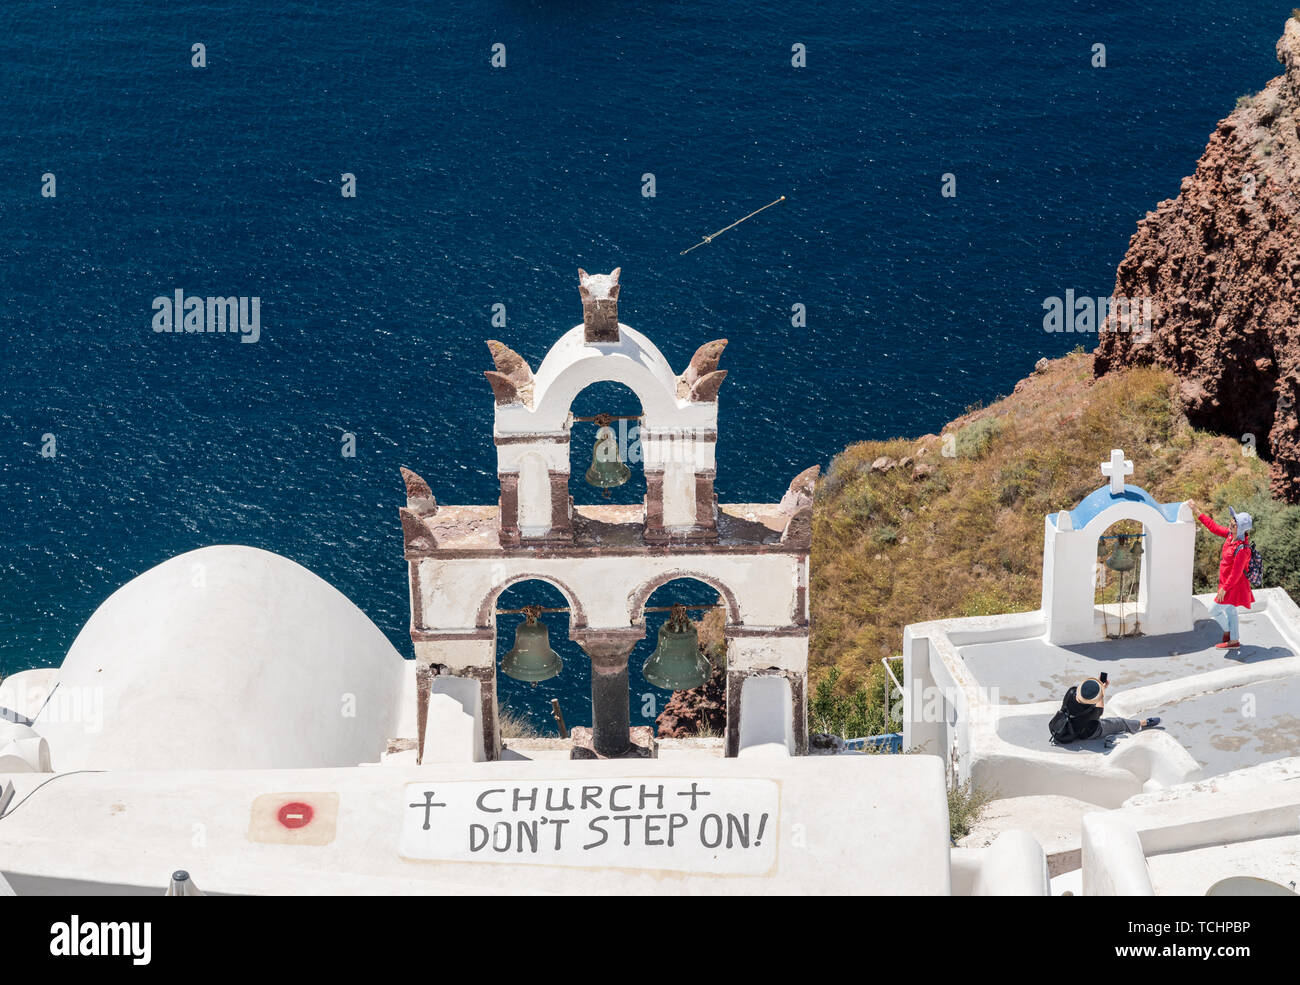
{"x": 225, "y": 657}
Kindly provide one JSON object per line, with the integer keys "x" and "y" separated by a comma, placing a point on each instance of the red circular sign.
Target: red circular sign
{"x": 295, "y": 815}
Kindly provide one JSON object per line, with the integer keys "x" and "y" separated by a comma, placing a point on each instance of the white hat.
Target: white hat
{"x": 1244, "y": 522}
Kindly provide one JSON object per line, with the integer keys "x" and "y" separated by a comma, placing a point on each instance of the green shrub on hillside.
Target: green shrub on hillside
{"x": 1014, "y": 482}
{"x": 976, "y": 438}
{"x": 1279, "y": 543}
{"x": 833, "y": 710}
{"x": 989, "y": 602}
{"x": 859, "y": 503}
{"x": 840, "y": 473}
{"x": 1277, "y": 532}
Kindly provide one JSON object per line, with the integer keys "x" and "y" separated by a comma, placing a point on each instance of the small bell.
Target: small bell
{"x": 677, "y": 663}
{"x": 532, "y": 658}
{"x": 1122, "y": 557}
{"x": 607, "y": 469}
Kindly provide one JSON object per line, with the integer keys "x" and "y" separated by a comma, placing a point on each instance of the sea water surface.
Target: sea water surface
{"x": 480, "y": 186}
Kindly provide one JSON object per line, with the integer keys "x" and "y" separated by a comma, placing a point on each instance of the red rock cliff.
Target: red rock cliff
{"x": 1221, "y": 265}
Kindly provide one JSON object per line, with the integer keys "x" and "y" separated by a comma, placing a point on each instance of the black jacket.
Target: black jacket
{"x": 1083, "y": 717}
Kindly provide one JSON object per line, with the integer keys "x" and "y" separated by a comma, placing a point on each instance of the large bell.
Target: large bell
{"x": 607, "y": 469}
{"x": 677, "y": 663}
{"x": 1122, "y": 558}
{"x": 532, "y": 659}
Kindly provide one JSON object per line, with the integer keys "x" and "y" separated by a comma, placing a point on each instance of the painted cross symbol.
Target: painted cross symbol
{"x": 694, "y": 793}
{"x": 428, "y": 806}
{"x": 1117, "y": 468}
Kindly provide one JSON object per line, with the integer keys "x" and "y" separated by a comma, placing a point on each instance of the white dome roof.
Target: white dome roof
{"x": 225, "y": 657}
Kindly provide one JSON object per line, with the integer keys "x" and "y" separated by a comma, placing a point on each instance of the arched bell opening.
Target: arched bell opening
{"x": 537, "y": 662}
{"x": 684, "y": 649}
{"x": 605, "y": 465}
{"x": 1120, "y": 579}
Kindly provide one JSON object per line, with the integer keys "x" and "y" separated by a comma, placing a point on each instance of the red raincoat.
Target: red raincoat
{"x": 1232, "y": 566}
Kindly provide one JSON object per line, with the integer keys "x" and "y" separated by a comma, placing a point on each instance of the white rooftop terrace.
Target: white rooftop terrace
{"x": 1212, "y": 794}
{"x": 1228, "y": 709}
{"x": 980, "y": 691}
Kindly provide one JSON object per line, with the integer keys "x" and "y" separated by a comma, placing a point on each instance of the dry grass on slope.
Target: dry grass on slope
{"x": 891, "y": 549}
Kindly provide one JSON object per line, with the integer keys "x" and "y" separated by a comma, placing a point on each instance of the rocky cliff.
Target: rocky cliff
{"x": 1221, "y": 266}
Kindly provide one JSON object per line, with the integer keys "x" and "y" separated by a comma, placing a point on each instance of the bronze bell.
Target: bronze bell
{"x": 607, "y": 469}
{"x": 1122, "y": 557}
{"x": 532, "y": 658}
{"x": 677, "y": 663}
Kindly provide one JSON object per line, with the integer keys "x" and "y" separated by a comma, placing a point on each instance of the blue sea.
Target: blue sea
{"x": 479, "y": 186}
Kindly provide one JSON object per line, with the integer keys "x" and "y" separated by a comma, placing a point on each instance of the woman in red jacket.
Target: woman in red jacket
{"x": 1234, "y": 587}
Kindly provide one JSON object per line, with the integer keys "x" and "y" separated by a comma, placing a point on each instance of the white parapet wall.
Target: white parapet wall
{"x": 1113, "y": 861}
{"x": 686, "y": 826}
{"x": 455, "y": 722}
{"x": 1014, "y": 865}
{"x": 1186, "y": 839}
{"x": 942, "y": 700}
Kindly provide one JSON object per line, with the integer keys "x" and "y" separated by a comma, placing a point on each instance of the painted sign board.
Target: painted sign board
{"x": 708, "y": 825}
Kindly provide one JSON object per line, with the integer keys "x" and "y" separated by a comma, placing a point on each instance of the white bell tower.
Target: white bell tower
{"x": 678, "y": 425}
{"x": 1070, "y": 541}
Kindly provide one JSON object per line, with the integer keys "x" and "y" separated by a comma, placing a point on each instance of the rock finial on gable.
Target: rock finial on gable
{"x": 512, "y": 380}
{"x": 599, "y": 293}
{"x": 801, "y": 491}
{"x": 704, "y": 361}
{"x": 419, "y": 497}
{"x": 416, "y": 536}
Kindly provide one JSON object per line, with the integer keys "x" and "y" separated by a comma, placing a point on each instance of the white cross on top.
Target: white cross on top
{"x": 1117, "y": 468}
